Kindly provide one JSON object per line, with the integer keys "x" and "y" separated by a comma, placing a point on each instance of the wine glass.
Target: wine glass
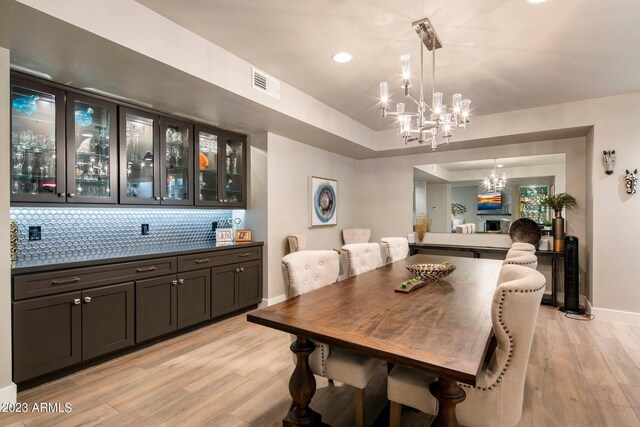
{"x": 17, "y": 163}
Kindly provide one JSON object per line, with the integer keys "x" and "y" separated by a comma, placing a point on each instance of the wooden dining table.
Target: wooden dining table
{"x": 443, "y": 329}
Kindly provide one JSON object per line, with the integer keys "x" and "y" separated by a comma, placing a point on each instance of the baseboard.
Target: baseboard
{"x": 271, "y": 301}
{"x": 617, "y": 316}
{"x": 9, "y": 394}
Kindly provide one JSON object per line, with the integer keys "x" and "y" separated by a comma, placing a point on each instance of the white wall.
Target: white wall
{"x": 257, "y": 200}
{"x": 439, "y": 207}
{"x": 290, "y": 165}
{"x": 7, "y": 388}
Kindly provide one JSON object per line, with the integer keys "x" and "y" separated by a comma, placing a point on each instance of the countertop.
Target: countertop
{"x": 74, "y": 260}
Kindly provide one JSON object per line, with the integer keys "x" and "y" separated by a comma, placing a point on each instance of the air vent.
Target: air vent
{"x": 265, "y": 83}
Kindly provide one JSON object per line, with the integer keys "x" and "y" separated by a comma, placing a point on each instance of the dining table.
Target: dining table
{"x": 443, "y": 328}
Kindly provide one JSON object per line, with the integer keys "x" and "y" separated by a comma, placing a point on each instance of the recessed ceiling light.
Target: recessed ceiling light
{"x": 342, "y": 57}
{"x": 536, "y": 1}
{"x": 499, "y": 166}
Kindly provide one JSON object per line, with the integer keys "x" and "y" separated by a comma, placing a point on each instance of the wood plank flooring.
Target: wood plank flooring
{"x": 234, "y": 373}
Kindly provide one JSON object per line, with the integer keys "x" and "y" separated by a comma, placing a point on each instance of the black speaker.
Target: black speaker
{"x": 571, "y": 277}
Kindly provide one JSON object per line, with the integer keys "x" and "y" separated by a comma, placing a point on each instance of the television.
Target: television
{"x": 489, "y": 201}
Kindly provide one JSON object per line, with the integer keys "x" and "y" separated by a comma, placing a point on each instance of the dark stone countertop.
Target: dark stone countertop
{"x": 75, "y": 260}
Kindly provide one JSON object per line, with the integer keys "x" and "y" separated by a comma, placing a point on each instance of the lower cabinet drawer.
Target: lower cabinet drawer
{"x": 217, "y": 258}
{"x": 32, "y": 285}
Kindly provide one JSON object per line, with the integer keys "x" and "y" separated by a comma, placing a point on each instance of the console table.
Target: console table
{"x": 426, "y": 248}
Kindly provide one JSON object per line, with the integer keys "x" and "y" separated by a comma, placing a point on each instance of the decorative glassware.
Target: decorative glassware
{"x": 26, "y": 104}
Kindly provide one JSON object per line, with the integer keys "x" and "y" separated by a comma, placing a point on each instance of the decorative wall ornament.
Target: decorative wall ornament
{"x": 631, "y": 181}
{"x": 323, "y": 201}
{"x": 609, "y": 161}
{"x": 458, "y": 209}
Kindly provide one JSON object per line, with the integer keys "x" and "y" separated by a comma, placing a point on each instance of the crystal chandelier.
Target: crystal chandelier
{"x": 430, "y": 121}
{"x": 495, "y": 183}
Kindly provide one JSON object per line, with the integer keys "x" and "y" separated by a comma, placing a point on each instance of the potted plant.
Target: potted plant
{"x": 558, "y": 202}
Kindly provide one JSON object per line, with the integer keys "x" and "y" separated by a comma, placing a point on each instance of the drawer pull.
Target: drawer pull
{"x": 64, "y": 282}
{"x": 180, "y": 281}
{"x": 244, "y": 255}
{"x": 87, "y": 299}
{"x": 202, "y": 261}
{"x": 174, "y": 282}
{"x": 76, "y": 301}
{"x": 144, "y": 269}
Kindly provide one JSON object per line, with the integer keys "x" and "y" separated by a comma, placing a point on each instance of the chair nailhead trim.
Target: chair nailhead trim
{"x": 506, "y": 330}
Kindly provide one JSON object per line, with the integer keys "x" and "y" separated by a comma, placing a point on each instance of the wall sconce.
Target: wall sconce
{"x": 609, "y": 160}
{"x": 631, "y": 181}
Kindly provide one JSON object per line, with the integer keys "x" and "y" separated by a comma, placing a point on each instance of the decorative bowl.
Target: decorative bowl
{"x": 431, "y": 271}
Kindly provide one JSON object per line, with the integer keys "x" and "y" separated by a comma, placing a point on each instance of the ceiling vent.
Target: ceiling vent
{"x": 265, "y": 83}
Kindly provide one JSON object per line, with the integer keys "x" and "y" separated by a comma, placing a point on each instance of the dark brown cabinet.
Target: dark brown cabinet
{"x": 169, "y": 303}
{"x": 176, "y": 162}
{"x": 107, "y": 319}
{"x": 194, "y": 290}
{"x": 156, "y": 307}
{"x": 92, "y": 150}
{"x": 37, "y": 142}
{"x": 235, "y": 286}
{"x": 63, "y": 317}
{"x": 220, "y": 168}
{"x": 46, "y": 335}
{"x": 57, "y": 331}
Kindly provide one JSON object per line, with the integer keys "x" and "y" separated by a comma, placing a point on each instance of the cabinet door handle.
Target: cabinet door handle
{"x": 241, "y": 269}
{"x": 158, "y": 198}
{"x": 220, "y": 200}
{"x": 244, "y": 255}
{"x": 64, "y": 282}
{"x": 237, "y": 270}
{"x": 76, "y": 301}
{"x": 144, "y": 269}
{"x": 60, "y": 194}
{"x": 164, "y": 198}
{"x": 181, "y": 281}
{"x": 87, "y": 299}
{"x": 202, "y": 261}
{"x": 174, "y": 283}
{"x": 70, "y": 195}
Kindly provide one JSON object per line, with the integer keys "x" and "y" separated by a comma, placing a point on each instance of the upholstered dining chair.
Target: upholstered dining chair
{"x": 522, "y": 246}
{"x": 394, "y": 248}
{"x": 305, "y": 271}
{"x": 361, "y": 257}
{"x": 356, "y": 235}
{"x": 521, "y": 258}
{"x": 297, "y": 242}
{"x": 497, "y": 398}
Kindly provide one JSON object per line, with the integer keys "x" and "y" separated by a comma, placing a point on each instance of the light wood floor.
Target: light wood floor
{"x": 234, "y": 373}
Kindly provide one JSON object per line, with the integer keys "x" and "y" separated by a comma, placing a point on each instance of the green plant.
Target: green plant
{"x": 458, "y": 209}
{"x": 557, "y": 202}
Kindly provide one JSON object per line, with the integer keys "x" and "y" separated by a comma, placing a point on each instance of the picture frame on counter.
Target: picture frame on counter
{"x": 243, "y": 235}
{"x": 224, "y": 235}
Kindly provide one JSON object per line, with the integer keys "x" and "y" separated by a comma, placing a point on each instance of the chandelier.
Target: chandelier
{"x": 494, "y": 183}
{"x": 430, "y": 121}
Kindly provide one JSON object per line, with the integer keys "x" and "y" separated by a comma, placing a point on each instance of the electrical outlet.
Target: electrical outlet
{"x": 214, "y": 225}
{"x": 145, "y": 230}
{"x": 35, "y": 232}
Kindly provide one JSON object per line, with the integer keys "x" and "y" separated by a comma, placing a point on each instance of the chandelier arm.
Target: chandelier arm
{"x": 413, "y": 99}
{"x": 433, "y": 67}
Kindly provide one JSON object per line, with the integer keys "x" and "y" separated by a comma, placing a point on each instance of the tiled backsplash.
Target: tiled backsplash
{"x": 109, "y": 230}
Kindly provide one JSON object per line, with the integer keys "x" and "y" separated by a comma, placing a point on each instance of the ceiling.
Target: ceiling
{"x": 503, "y": 54}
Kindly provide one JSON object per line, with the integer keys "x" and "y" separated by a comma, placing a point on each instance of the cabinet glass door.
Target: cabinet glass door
{"x": 234, "y": 170}
{"x": 176, "y": 147}
{"x": 138, "y": 151}
{"x": 207, "y": 168}
{"x": 91, "y": 148}
{"x": 37, "y": 142}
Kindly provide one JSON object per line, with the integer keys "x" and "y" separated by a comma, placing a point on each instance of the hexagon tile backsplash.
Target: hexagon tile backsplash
{"x": 107, "y": 230}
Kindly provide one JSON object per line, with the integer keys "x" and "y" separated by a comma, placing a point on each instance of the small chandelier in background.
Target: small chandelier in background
{"x": 494, "y": 183}
{"x": 430, "y": 121}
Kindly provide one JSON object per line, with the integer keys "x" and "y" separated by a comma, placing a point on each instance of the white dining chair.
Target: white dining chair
{"x": 497, "y": 398}
{"x": 297, "y": 242}
{"x": 394, "y": 248}
{"x": 304, "y": 272}
{"x": 356, "y": 235}
{"x": 522, "y": 246}
{"x": 361, "y": 257}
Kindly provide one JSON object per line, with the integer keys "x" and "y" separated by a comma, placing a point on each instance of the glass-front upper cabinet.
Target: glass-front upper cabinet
{"x": 37, "y": 142}
{"x": 206, "y": 166}
{"x": 176, "y": 160}
{"x": 234, "y": 170}
{"x": 139, "y": 150}
{"x": 91, "y": 150}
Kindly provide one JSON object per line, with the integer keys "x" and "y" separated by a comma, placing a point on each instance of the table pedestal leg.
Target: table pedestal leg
{"x": 449, "y": 394}
{"x": 302, "y": 387}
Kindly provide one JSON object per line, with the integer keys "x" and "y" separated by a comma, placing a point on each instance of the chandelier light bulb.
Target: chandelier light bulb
{"x": 406, "y": 67}
{"x": 465, "y": 107}
{"x": 437, "y": 102}
{"x": 457, "y": 102}
{"x": 400, "y": 107}
{"x": 384, "y": 93}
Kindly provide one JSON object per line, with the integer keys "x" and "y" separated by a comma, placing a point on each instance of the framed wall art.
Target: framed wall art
{"x": 323, "y": 201}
